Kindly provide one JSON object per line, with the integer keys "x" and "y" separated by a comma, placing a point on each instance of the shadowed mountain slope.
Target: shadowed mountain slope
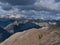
{"x": 3, "y": 34}
{"x": 5, "y": 22}
{"x": 19, "y": 27}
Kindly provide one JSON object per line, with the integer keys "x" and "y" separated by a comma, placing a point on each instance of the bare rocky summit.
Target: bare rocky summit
{"x": 42, "y": 36}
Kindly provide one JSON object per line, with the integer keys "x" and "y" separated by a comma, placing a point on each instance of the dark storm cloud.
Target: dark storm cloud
{"x": 19, "y": 2}
{"x": 57, "y": 0}
{"x": 29, "y": 4}
{"x": 6, "y": 7}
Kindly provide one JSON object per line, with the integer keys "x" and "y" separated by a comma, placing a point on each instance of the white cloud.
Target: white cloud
{"x": 39, "y": 14}
{"x": 28, "y": 14}
{"x": 51, "y": 4}
{"x": 43, "y": 14}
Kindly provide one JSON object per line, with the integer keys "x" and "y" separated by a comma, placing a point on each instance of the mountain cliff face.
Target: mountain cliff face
{"x": 42, "y": 36}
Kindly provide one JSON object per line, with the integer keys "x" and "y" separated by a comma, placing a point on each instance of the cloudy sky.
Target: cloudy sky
{"x": 41, "y": 9}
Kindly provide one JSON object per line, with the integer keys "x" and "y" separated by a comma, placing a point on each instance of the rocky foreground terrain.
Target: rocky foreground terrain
{"x": 42, "y": 36}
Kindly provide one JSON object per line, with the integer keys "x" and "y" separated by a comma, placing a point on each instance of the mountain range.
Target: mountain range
{"x": 12, "y": 26}
{"x": 29, "y": 32}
